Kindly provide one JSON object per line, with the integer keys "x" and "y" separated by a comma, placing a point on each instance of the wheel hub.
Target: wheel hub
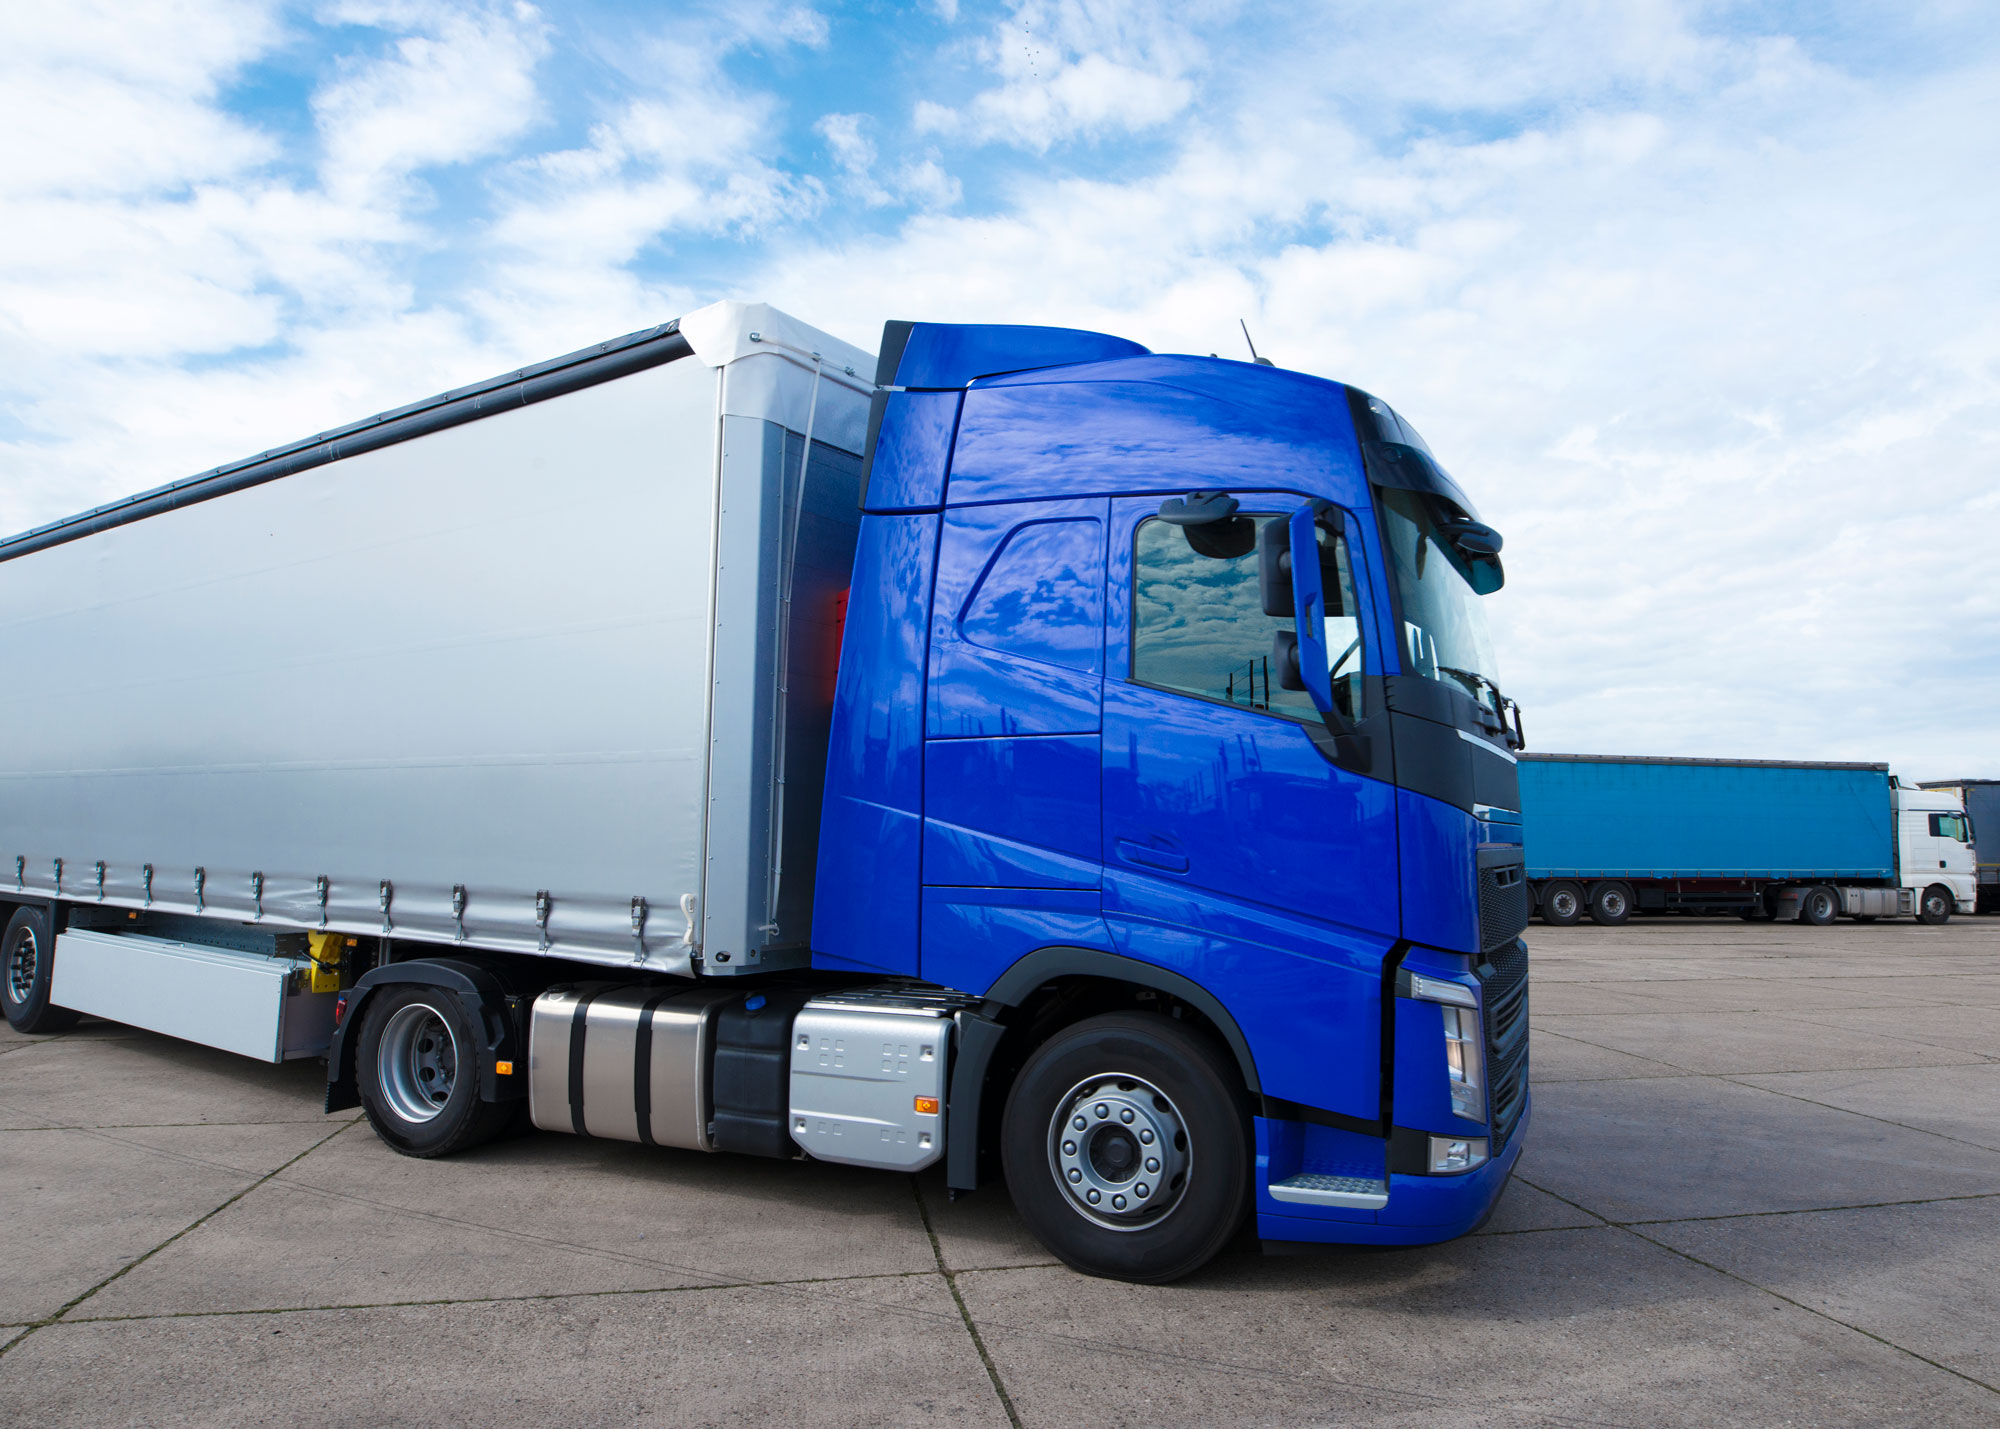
{"x": 22, "y": 961}
{"x": 1119, "y": 1149}
{"x": 416, "y": 1062}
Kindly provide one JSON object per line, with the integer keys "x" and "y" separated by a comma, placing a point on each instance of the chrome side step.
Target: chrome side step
{"x": 1314, "y": 1189}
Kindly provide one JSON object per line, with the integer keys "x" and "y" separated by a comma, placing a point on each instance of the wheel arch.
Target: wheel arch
{"x": 1044, "y": 992}
{"x": 486, "y": 997}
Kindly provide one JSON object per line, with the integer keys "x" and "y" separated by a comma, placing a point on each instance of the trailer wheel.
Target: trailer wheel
{"x": 1819, "y": 907}
{"x": 1935, "y": 906}
{"x": 1562, "y": 903}
{"x": 417, "y": 1071}
{"x": 1610, "y": 904}
{"x": 27, "y": 971}
{"x": 1126, "y": 1147}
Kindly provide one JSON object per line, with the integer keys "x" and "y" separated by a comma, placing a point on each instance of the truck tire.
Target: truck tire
{"x": 27, "y": 971}
{"x": 1936, "y": 905}
{"x": 1819, "y": 907}
{"x": 1562, "y": 903}
{"x": 1127, "y": 1149}
{"x": 1610, "y": 904}
{"x": 417, "y": 1073}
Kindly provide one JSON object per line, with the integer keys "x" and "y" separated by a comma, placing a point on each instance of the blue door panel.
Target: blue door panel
{"x": 1021, "y": 813}
{"x": 972, "y": 935}
{"x": 1258, "y": 812}
{"x": 1240, "y": 855}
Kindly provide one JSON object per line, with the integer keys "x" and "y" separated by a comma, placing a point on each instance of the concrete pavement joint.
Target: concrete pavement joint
{"x": 315, "y": 1120}
{"x": 965, "y": 1315}
{"x": 1732, "y": 1077}
{"x": 1633, "y": 1228}
{"x": 507, "y": 1232}
{"x": 335, "y": 1306}
{"x": 193, "y": 1225}
{"x": 1238, "y": 1367}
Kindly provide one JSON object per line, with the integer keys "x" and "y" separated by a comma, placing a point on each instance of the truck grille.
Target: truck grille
{"x": 1503, "y": 896}
{"x": 1504, "y": 986}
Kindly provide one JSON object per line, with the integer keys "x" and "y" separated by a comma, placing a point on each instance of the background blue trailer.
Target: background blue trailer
{"x": 1610, "y": 834}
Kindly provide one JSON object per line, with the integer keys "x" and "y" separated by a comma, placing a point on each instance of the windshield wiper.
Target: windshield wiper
{"x": 1501, "y": 708}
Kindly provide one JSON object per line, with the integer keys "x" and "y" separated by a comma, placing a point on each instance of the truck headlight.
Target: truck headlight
{"x": 1465, "y": 1062}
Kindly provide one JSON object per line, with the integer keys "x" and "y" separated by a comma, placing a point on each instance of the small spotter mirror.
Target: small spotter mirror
{"x": 1209, "y": 521}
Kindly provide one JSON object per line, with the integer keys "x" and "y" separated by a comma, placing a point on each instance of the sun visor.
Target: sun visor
{"x": 1409, "y": 468}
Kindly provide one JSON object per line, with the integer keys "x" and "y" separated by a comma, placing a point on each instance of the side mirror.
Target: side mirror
{"x": 1274, "y": 571}
{"x": 1285, "y": 659}
{"x": 1478, "y": 545}
{"x": 1209, "y": 521}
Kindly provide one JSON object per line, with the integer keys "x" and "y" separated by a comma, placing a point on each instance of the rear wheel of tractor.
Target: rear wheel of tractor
{"x": 1935, "y": 906}
{"x": 1562, "y": 903}
{"x": 27, "y": 971}
{"x": 417, "y": 1071}
{"x": 1610, "y": 904}
{"x": 1819, "y": 907}
{"x": 1127, "y": 1149}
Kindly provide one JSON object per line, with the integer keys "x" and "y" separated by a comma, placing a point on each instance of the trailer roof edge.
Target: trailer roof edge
{"x": 1539, "y": 758}
{"x": 586, "y": 367}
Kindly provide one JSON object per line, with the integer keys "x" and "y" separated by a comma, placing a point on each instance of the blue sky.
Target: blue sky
{"x": 1698, "y": 300}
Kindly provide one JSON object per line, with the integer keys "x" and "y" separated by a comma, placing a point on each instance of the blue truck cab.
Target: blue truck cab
{"x": 1166, "y": 725}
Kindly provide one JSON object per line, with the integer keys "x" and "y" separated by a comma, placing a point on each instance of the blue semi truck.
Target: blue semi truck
{"x": 1611, "y": 835}
{"x": 1080, "y": 767}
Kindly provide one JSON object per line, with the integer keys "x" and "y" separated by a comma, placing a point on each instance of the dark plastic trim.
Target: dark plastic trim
{"x": 1018, "y": 983}
{"x": 620, "y": 357}
{"x": 895, "y": 337}
{"x": 978, "y": 1037}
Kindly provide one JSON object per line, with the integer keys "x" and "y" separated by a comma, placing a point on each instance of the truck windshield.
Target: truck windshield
{"x": 1444, "y": 625}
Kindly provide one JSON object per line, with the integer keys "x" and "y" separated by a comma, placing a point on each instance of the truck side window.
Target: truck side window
{"x": 1043, "y": 596}
{"x": 1950, "y": 826}
{"x": 1199, "y": 628}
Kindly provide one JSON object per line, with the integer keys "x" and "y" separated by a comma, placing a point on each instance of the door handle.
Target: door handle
{"x": 1146, "y": 856}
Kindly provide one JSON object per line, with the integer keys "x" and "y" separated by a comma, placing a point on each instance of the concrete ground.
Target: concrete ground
{"x": 1762, "y": 1188}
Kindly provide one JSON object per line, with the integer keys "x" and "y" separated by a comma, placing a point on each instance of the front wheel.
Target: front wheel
{"x": 1936, "y": 904}
{"x": 1126, "y": 1148}
{"x": 417, "y": 1071}
{"x": 27, "y": 972}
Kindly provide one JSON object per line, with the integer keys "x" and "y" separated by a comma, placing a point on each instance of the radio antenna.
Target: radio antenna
{"x": 1260, "y": 361}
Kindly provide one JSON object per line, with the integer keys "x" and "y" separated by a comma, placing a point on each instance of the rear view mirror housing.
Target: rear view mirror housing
{"x": 1209, "y": 521}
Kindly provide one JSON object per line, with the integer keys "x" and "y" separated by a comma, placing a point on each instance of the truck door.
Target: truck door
{"x": 1011, "y": 756}
{"x": 1235, "y": 851}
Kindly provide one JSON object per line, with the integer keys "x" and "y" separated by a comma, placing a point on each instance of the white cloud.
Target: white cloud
{"x": 456, "y": 87}
{"x": 1073, "y": 68}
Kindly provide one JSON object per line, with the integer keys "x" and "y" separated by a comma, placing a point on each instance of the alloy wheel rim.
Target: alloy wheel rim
{"x": 1120, "y": 1151}
{"x": 416, "y": 1062}
{"x": 23, "y": 962}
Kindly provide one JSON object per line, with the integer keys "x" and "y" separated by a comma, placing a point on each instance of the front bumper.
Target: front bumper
{"x": 1422, "y": 1210}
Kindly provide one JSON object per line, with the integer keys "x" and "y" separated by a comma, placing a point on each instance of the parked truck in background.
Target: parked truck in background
{"x": 1075, "y": 765}
{"x": 1611, "y": 835}
{"x": 1980, "y": 798}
